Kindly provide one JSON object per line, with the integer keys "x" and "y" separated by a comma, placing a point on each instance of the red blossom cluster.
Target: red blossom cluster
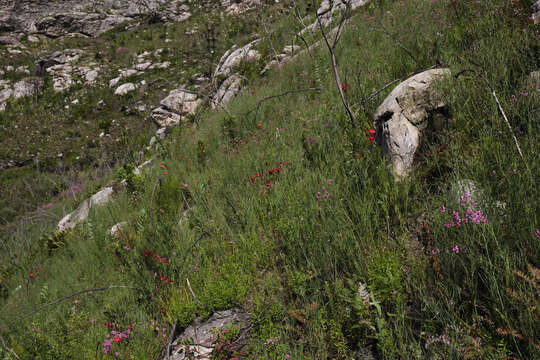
{"x": 156, "y": 256}
{"x": 371, "y": 135}
{"x": 266, "y": 176}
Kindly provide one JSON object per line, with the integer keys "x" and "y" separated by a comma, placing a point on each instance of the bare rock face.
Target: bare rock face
{"x": 124, "y": 89}
{"x": 234, "y": 56}
{"x": 237, "y": 7}
{"x": 164, "y": 118}
{"x": 536, "y": 12}
{"x": 174, "y": 107}
{"x": 81, "y": 213}
{"x": 404, "y": 115}
{"x": 78, "y": 22}
{"x": 200, "y": 334}
{"x": 181, "y": 102}
{"x": 228, "y": 89}
{"x": 26, "y": 87}
{"x": 327, "y": 9}
{"x": 89, "y": 17}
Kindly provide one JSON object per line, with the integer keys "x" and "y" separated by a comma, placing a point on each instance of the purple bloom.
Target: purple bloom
{"x": 455, "y": 249}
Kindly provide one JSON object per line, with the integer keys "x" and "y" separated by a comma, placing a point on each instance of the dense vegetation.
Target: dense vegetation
{"x": 280, "y": 207}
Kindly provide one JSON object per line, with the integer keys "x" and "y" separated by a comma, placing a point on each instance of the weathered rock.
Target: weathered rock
{"x": 326, "y": 10}
{"x": 160, "y": 65}
{"x": 117, "y": 229}
{"x": 181, "y": 102}
{"x": 125, "y": 88}
{"x": 5, "y": 94}
{"x": 228, "y": 89}
{"x": 533, "y": 81}
{"x": 91, "y": 24}
{"x": 404, "y": 114}
{"x": 143, "y": 66}
{"x": 47, "y": 61}
{"x": 81, "y": 213}
{"x": 56, "y": 18}
{"x": 200, "y": 334}
{"x": 26, "y": 87}
{"x": 10, "y": 40}
{"x": 235, "y": 7}
{"x": 164, "y": 118}
{"x": 61, "y": 76}
{"x": 234, "y": 56}
{"x": 536, "y": 12}
{"x": 33, "y": 39}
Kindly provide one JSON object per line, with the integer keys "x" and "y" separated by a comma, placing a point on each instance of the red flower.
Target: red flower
{"x": 371, "y": 139}
{"x": 162, "y": 166}
{"x": 268, "y": 184}
{"x": 108, "y": 324}
{"x": 117, "y": 339}
{"x": 130, "y": 327}
{"x": 344, "y": 86}
{"x": 271, "y": 171}
{"x": 32, "y": 275}
{"x": 285, "y": 162}
{"x": 147, "y": 252}
{"x": 278, "y": 170}
{"x": 372, "y": 131}
{"x": 165, "y": 173}
{"x": 164, "y": 260}
{"x": 258, "y": 174}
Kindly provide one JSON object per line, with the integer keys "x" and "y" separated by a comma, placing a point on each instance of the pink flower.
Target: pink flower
{"x": 455, "y": 249}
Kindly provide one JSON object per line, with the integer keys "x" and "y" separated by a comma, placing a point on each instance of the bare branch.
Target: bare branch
{"x": 334, "y": 63}
{"x": 7, "y": 348}
{"x": 498, "y": 104}
{"x": 256, "y": 108}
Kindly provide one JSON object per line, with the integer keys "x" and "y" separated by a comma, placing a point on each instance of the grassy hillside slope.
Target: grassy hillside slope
{"x": 269, "y": 209}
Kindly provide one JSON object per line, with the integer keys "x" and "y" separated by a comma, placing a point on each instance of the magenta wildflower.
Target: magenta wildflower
{"x": 455, "y": 249}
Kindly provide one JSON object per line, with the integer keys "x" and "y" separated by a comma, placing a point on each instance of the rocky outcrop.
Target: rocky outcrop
{"x": 125, "y": 89}
{"x": 78, "y": 22}
{"x": 234, "y": 56}
{"x": 404, "y": 115}
{"x": 226, "y": 71}
{"x": 26, "y": 87}
{"x": 288, "y": 52}
{"x": 327, "y": 9}
{"x": 58, "y": 18}
{"x": 61, "y": 67}
{"x": 174, "y": 107}
{"x": 536, "y": 12}
{"x": 228, "y": 89}
{"x": 81, "y": 213}
{"x": 236, "y": 7}
{"x": 198, "y": 340}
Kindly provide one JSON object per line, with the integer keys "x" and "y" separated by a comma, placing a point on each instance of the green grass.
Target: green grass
{"x": 267, "y": 244}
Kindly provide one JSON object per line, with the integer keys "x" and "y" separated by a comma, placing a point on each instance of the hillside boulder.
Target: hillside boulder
{"x": 81, "y": 213}
{"x": 26, "y": 87}
{"x": 197, "y": 338}
{"x": 181, "y": 102}
{"x": 536, "y": 12}
{"x": 228, "y": 89}
{"x": 404, "y": 115}
{"x": 234, "y": 56}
